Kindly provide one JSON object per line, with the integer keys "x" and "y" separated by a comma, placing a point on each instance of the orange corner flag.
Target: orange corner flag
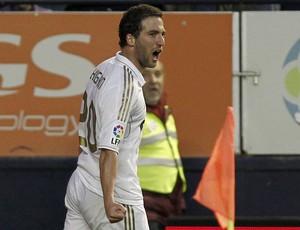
{"x": 216, "y": 189}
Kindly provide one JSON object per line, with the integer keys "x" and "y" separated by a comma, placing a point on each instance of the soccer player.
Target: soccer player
{"x": 104, "y": 191}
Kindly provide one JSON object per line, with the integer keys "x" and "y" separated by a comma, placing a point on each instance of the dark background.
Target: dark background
{"x": 267, "y": 191}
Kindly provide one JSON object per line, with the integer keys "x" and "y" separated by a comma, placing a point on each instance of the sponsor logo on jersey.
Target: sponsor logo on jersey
{"x": 118, "y": 132}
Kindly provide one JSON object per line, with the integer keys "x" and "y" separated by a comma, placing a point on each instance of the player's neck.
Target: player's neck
{"x": 128, "y": 53}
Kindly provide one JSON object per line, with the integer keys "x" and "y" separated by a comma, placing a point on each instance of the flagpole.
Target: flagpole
{"x": 230, "y": 225}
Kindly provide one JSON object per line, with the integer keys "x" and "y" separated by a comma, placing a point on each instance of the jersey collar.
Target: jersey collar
{"x": 136, "y": 72}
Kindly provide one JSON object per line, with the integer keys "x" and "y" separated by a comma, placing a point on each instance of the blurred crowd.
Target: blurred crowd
{"x": 165, "y": 7}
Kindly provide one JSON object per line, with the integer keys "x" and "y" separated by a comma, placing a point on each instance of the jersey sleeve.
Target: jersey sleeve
{"x": 113, "y": 113}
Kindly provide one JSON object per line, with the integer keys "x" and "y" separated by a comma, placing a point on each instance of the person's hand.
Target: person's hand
{"x": 116, "y": 212}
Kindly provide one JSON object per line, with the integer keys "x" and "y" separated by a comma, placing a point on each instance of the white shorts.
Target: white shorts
{"x": 86, "y": 210}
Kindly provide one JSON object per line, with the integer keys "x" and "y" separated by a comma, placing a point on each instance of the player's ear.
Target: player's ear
{"x": 130, "y": 39}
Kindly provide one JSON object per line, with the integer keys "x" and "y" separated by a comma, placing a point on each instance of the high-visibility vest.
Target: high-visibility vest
{"x": 159, "y": 162}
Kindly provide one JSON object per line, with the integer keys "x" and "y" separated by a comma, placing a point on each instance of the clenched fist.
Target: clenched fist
{"x": 116, "y": 212}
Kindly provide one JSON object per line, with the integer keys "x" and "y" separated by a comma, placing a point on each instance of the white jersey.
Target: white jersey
{"x": 112, "y": 114}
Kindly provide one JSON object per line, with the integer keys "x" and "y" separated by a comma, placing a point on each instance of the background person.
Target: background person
{"x": 104, "y": 191}
{"x": 159, "y": 166}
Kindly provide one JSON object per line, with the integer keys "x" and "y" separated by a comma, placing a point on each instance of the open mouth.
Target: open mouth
{"x": 156, "y": 54}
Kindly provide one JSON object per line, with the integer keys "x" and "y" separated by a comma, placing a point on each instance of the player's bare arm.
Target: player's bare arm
{"x": 108, "y": 170}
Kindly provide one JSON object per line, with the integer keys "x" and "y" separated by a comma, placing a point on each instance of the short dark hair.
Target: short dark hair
{"x": 131, "y": 22}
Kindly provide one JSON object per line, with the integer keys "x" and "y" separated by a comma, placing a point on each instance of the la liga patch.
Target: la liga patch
{"x": 118, "y": 131}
